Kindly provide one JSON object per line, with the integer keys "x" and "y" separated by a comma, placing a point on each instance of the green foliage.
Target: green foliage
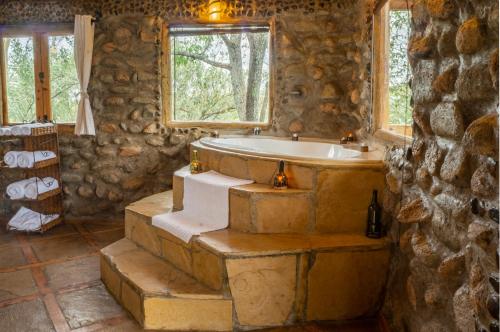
{"x": 202, "y": 81}
{"x": 64, "y": 86}
{"x": 201, "y": 91}
{"x": 20, "y": 79}
{"x": 399, "y": 90}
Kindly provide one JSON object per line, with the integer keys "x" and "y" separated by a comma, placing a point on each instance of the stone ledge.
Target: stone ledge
{"x": 150, "y": 275}
{"x": 231, "y": 243}
{"x": 152, "y": 205}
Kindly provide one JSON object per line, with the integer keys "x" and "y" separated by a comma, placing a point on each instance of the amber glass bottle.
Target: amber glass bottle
{"x": 195, "y": 165}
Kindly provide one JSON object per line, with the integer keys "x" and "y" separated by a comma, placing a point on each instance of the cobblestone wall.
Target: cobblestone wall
{"x": 322, "y": 51}
{"x": 445, "y": 270}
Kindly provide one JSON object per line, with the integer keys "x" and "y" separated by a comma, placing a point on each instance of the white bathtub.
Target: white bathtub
{"x": 281, "y": 148}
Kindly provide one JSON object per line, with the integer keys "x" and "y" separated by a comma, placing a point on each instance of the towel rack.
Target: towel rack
{"x": 41, "y": 139}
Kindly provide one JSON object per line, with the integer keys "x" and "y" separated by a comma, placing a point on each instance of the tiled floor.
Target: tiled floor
{"x": 51, "y": 282}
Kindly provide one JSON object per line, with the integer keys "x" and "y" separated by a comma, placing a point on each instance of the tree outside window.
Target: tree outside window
{"x": 220, "y": 74}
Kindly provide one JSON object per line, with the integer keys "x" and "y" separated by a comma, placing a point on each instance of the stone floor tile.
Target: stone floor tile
{"x": 63, "y": 247}
{"x": 129, "y": 325}
{"x": 73, "y": 272}
{"x": 25, "y": 316}
{"x": 105, "y": 238}
{"x": 6, "y": 237}
{"x": 87, "y": 306}
{"x": 11, "y": 256}
{"x": 59, "y": 230}
{"x": 15, "y": 284}
{"x": 102, "y": 225}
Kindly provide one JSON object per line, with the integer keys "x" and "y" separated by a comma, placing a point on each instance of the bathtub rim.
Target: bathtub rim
{"x": 372, "y": 159}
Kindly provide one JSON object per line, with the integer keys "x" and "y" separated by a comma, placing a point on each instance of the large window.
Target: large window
{"x": 38, "y": 74}
{"x": 392, "y": 92}
{"x": 219, "y": 74}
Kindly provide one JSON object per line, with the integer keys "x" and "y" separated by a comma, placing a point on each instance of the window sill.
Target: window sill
{"x": 65, "y": 128}
{"x": 391, "y": 137}
{"x": 218, "y": 125}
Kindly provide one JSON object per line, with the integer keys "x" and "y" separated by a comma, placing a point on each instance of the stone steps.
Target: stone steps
{"x": 258, "y": 208}
{"x": 273, "y": 279}
{"x": 158, "y": 295}
{"x": 333, "y": 204}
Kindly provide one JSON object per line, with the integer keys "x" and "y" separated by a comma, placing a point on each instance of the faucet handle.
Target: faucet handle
{"x": 295, "y": 137}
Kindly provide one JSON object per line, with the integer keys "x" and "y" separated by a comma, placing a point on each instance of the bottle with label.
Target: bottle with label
{"x": 374, "y": 224}
{"x": 195, "y": 165}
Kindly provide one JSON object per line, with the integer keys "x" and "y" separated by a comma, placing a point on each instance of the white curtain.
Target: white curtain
{"x": 84, "y": 44}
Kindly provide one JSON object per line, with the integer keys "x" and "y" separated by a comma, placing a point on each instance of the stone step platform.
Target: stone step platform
{"x": 158, "y": 295}
{"x": 329, "y": 202}
{"x": 273, "y": 279}
{"x": 258, "y": 208}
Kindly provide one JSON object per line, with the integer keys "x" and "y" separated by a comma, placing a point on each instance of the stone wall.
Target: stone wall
{"x": 442, "y": 192}
{"x": 322, "y": 50}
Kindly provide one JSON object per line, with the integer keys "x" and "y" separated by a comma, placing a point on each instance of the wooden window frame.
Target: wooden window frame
{"x": 167, "y": 86}
{"x": 40, "y": 35}
{"x": 380, "y": 92}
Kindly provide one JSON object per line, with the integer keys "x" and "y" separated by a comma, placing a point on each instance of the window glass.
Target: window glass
{"x": 400, "y": 118}
{"x": 220, "y": 74}
{"x": 64, "y": 86}
{"x": 20, "y": 79}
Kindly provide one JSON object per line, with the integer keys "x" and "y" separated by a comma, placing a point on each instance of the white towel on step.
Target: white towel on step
{"x": 206, "y": 206}
{"x": 26, "y": 159}
{"x": 16, "y": 190}
{"x": 28, "y": 220}
{"x": 10, "y": 158}
{"x": 40, "y": 186}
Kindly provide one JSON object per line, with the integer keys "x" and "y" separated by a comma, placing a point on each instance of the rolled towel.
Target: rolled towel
{"x": 25, "y": 129}
{"x": 28, "y": 220}
{"x": 40, "y": 186}
{"x": 16, "y": 190}
{"x": 26, "y": 159}
{"x": 5, "y": 131}
{"x": 10, "y": 158}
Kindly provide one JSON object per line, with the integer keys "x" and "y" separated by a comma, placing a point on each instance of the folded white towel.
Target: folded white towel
{"x": 5, "y": 131}
{"x": 28, "y": 220}
{"x": 16, "y": 190}
{"x": 25, "y": 129}
{"x": 206, "y": 206}
{"x": 40, "y": 186}
{"x": 10, "y": 158}
{"x": 26, "y": 159}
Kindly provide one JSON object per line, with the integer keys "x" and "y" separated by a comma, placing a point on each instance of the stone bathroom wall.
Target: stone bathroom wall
{"x": 322, "y": 50}
{"x": 442, "y": 192}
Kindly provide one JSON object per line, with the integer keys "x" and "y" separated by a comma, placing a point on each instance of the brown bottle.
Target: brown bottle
{"x": 374, "y": 225}
{"x": 280, "y": 179}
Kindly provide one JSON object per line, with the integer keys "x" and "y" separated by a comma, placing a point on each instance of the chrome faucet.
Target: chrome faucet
{"x": 295, "y": 137}
{"x": 257, "y": 130}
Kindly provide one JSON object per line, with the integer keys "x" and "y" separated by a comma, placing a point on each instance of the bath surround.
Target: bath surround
{"x": 321, "y": 49}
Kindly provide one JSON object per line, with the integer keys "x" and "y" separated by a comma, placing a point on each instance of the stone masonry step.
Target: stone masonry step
{"x": 258, "y": 208}
{"x": 158, "y": 295}
{"x": 273, "y": 279}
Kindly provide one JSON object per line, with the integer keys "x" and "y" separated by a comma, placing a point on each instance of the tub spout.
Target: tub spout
{"x": 257, "y": 130}
{"x": 295, "y": 137}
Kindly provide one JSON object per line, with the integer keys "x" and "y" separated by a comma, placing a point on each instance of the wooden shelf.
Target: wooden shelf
{"x": 35, "y": 132}
{"x": 43, "y": 228}
{"x": 36, "y": 165}
{"x": 40, "y": 197}
{"x": 51, "y": 202}
{"x": 51, "y": 224}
